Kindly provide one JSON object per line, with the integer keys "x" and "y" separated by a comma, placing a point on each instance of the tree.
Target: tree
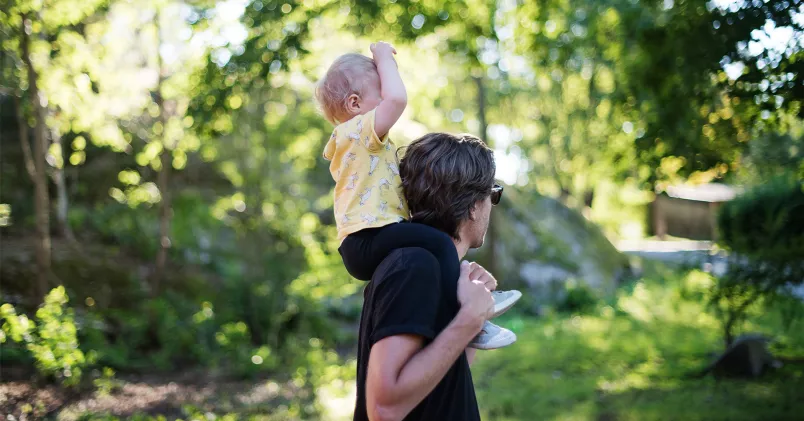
{"x": 29, "y": 25}
{"x": 711, "y": 80}
{"x": 764, "y": 230}
{"x": 165, "y": 157}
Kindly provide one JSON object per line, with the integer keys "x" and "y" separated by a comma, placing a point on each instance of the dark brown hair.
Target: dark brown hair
{"x": 443, "y": 176}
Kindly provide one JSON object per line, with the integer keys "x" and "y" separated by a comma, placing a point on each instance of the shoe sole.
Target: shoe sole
{"x": 501, "y": 341}
{"x": 502, "y": 307}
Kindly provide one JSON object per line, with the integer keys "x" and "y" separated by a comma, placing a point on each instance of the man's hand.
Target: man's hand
{"x": 479, "y": 273}
{"x": 476, "y": 302}
{"x": 382, "y": 50}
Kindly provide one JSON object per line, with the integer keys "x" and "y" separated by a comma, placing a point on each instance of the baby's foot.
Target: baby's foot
{"x": 503, "y": 300}
{"x": 492, "y": 337}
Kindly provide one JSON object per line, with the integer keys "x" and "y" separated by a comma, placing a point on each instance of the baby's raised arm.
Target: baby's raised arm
{"x": 394, "y": 96}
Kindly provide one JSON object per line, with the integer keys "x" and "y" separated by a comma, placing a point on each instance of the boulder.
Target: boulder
{"x": 748, "y": 356}
{"x": 543, "y": 246}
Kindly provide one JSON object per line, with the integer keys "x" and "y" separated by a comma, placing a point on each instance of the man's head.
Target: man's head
{"x": 350, "y": 87}
{"x": 447, "y": 181}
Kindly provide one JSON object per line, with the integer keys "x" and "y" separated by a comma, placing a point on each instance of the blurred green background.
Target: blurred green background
{"x": 167, "y": 244}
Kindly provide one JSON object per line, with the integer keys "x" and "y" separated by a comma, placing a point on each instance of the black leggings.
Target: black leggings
{"x": 364, "y": 250}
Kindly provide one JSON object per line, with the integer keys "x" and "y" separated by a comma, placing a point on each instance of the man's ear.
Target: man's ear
{"x": 472, "y": 211}
{"x": 353, "y": 104}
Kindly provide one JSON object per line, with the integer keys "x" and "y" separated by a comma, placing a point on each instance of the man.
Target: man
{"x": 412, "y": 358}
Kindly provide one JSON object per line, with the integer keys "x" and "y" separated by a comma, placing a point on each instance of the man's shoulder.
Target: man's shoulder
{"x": 410, "y": 261}
{"x": 407, "y": 255}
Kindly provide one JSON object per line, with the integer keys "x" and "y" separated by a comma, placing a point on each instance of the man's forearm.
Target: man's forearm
{"x": 391, "y": 86}
{"x": 420, "y": 375}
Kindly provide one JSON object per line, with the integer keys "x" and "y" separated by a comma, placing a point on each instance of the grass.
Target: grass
{"x": 634, "y": 359}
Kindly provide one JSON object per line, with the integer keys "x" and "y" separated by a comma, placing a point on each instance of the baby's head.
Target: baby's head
{"x": 350, "y": 87}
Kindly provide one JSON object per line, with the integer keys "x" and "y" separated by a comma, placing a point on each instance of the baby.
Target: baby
{"x": 364, "y": 98}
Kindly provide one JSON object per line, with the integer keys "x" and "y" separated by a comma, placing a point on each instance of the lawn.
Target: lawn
{"x": 636, "y": 358}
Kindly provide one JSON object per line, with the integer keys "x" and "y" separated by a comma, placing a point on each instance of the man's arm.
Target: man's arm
{"x": 401, "y": 373}
{"x": 394, "y": 96}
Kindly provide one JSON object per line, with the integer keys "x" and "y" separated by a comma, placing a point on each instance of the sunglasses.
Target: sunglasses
{"x": 496, "y": 194}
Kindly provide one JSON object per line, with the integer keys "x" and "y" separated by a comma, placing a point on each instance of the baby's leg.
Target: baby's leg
{"x": 363, "y": 251}
{"x": 358, "y": 258}
{"x": 412, "y": 234}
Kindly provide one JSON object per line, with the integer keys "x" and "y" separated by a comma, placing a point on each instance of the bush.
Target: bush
{"x": 238, "y": 353}
{"x": 764, "y": 230}
{"x": 767, "y": 222}
{"x": 579, "y": 298}
{"x": 52, "y": 340}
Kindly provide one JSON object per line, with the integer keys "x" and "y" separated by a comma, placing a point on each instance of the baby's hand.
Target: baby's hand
{"x": 382, "y": 49}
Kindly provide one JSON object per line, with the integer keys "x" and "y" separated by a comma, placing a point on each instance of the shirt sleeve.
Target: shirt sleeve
{"x": 369, "y": 136}
{"x": 329, "y": 149}
{"x": 408, "y": 295}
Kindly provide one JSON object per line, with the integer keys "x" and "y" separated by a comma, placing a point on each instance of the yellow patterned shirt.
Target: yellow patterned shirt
{"x": 368, "y": 190}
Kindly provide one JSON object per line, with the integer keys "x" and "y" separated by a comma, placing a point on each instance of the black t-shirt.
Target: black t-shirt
{"x": 408, "y": 296}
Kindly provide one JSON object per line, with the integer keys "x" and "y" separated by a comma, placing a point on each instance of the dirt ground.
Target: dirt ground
{"x": 21, "y": 400}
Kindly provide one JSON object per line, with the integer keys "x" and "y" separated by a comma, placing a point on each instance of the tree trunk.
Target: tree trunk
{"x": 552, "y": 159}
{"x": 589, "y": 193}
{"x": 728, "y": 335}
{"x": 41, "y": 198}
{"x": 164, "y": 218}
{"x": 62, "y": 204}
{"x": 491, "y": 234}
{"x": 163, "y": 179}
{"x": 588, "y": 200}
{"x": 27, "y": 155}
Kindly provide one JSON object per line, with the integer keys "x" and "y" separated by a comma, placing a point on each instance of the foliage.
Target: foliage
{"x": 106, "y": 383}
{"x": 771, "y": 72}
{"x": 749, "y": 286}
{"x": 767, "y": 222}
{"x": 775, "y": 154}
{"x": 579, "y": 298}
{"x": 764, "y": 229}
{"x": 52, "y": 340}
{"x": 708, "y": 79}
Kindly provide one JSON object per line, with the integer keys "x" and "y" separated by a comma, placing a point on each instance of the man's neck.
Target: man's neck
{"x": 462, "y": 247}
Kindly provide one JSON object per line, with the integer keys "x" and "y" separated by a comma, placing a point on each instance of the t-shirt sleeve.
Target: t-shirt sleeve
{"x": 369, "y": 136}
{"x": 407, "y": 298}
{"x": 329, "y": 149}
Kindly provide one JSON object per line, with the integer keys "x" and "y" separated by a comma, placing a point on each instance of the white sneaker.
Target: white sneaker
{"x": 503, "y": 300}
{"x": 492, "y": 337}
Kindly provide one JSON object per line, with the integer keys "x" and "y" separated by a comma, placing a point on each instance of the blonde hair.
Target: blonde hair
{"x": 347, "y": 75}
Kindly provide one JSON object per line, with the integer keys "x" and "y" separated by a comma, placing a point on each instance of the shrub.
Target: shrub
{"x": 764, "y": 230}
{"x": 579, "y": 298}
{"x": 238, "y": 353}
{"x": 767, "y": 222}
{"x": 52, "y": 340}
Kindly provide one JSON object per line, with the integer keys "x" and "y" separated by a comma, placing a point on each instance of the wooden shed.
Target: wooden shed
{"x": 689, "y": 211}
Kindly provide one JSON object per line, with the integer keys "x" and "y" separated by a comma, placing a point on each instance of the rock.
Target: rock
{"x": 747, "y": 356}
{"x": 542, "y": 245}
